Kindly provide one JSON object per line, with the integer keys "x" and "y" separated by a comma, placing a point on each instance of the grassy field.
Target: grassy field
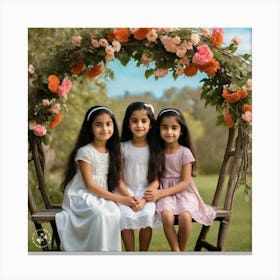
{"x": 239, "y": 237}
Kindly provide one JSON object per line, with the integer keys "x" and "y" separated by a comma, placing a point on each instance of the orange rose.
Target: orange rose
{"x": 231, "y": 97}
{"x": 92, "y": 72}
{"x": 78, "y": 68}
{"x": 140, "y": 33}
{"x": 110, "y": 36}
{"x": 121, "y": 34}
{"x": 190, "y": 70}
{"x": 247, "y": 107}
{"x": 210, "y": 68}
{"x": 243, "y": 93}
{"x": 228, "y": 118}
{"x": 53, "y": 83}
{"x": 56, "y": 120}
{"x": 217, "y": 38}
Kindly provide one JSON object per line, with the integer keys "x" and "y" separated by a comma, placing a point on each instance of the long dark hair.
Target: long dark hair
{"x": 185, "y": 137}
{"x": 156, "y": 155}
{"x": 85, "y": 137}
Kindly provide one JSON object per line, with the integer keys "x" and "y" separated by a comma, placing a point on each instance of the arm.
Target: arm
{"x": 85, "y": 168}
{"x": 156, "y": 194}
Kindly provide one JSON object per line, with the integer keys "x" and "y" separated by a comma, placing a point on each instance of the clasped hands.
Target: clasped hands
{"x": 138, "y": 203}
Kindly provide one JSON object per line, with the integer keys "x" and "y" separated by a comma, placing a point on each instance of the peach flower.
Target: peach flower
{"x": 31, "y": 69}
{"x": 95, "y": 43}
{"x": 152, "y": 35}
{"x": 46, "y": 102}
{"x": 116, "y": 45}
{"x": 103, "y": 42}
{"x": 195, "y": 39}
{"x": 235, "y": 40}
{"x": 77, "y": 40}
{"x": 55, "y": 108}
{"x": 249, "y": 84}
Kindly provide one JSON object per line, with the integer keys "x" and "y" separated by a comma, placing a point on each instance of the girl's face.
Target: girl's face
{"x": 139, "y": 123}
{"x": 102, "y": 127}
{"x": 170, "y": 130}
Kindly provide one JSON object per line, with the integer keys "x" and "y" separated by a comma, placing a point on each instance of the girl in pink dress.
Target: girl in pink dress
{"x": 178, "y": 195}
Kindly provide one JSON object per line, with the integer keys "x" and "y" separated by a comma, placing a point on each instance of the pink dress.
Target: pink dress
{"x": 187, "y": 200}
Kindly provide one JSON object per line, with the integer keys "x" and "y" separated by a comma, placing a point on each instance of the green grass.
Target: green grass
{"x": 239, "y": 238}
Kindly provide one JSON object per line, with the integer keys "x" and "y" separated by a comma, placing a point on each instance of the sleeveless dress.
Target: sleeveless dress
{"x": 136, "y": 161}
{"x": 88, "y": 222}
{"x": 187, "y": 200}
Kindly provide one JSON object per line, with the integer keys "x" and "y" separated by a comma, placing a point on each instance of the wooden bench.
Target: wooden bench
{"x": 232, "y": 165}
{"x": 46, "y": 215}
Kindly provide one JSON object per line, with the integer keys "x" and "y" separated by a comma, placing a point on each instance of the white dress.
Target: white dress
{"x": 136, "y": 160}
{"x": 89, "y": 222}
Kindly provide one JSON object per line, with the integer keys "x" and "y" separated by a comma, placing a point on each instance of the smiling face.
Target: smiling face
{"x": 170, "y": 130}
{"x": 102, "y": 127}
{"x": 139, "y": 123}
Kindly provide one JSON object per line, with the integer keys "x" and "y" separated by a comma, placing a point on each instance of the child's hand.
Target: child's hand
{"x": 130, "y": 201}
{"x": 152, "y": 194}
{"x": 139, "y": 205}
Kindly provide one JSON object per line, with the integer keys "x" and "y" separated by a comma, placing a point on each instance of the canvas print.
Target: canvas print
{"x": 139, "y": 140}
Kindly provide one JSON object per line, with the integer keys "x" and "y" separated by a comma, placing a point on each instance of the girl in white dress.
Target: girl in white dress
{"x": 140, "y": 155}
{"x": 90, "y": 219}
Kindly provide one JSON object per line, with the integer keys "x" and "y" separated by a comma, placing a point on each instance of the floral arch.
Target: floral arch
{"x": 180, "y": 51}
{"x": 183, "y": 51}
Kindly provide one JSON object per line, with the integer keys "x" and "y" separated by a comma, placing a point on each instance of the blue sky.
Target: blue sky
{"x": 132, "y": 78}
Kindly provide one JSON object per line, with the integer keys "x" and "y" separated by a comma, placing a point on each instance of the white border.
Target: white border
{"x": 17, "y": 16}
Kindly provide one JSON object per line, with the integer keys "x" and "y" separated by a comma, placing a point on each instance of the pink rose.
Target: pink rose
{"x": 39, "y": 130}
{"x": 65, "y": 87}
{"x": 203, "y": 55}
{"x": 247, "y": 116}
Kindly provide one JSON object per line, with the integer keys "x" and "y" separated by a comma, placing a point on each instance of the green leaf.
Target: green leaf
{"x": 149, "y": 72}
